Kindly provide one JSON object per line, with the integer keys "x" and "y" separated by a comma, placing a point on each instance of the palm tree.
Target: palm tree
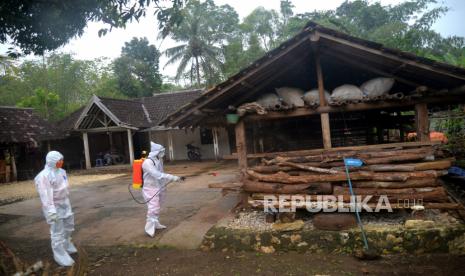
{"x": 200, "y": 54}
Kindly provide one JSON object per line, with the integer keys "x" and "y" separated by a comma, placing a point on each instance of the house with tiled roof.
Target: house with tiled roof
{"x": 124, "y": 128}
{"x": 22, "y": 133}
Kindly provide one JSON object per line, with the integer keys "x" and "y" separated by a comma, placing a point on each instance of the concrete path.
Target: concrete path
{"x": 105, "y": 213}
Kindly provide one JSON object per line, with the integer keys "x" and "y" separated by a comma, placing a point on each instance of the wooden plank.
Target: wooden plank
{"x": 422, "y": 122}
{"x": 241, "y": 145}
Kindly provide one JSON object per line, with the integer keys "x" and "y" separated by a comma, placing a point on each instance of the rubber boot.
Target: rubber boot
{"x": 69, "y": 246}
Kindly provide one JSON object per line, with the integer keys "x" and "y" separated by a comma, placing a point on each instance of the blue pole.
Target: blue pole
{"x": 365, "y": 241}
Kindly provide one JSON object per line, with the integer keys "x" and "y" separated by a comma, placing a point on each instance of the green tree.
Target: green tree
{"x": 137, "y": 69}
{"x": 264, "y": 24}
{"x": 74, "y": 81}
{"x": 45, "y": 102}
{"x": 286, "y": 7}
{"x": 406, "y": 26}
{"x": 203, "y": 33}
{"x": 38, "y": 26}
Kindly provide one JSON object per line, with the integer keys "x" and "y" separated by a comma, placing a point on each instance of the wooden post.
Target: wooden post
{"x": 216, "y": 149}
{"x": 13, "y": 165}
{"x": 130, "y": 147}
{"x": 241, "y": 145}
{"x": 325, "y": 127}
{"x": 86, "y": 150}
{"x": 421, "y": 122}
{"x": 110, "y": 140}
{"x": 170, "y": 145}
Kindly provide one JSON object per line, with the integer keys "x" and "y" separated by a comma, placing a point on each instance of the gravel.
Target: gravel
{"x": 18, "y": 191}
{"x": 255, "y": 220}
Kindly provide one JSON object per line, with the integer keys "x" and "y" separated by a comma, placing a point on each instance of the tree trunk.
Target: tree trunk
{"x": 198, "y": 70}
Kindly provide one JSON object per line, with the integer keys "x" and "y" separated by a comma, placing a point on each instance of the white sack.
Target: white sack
{"x": 312, "y": 97}
{"x": 346, "y": 92}
{"x": 269, "y": 101}
{"x": 291, "y": 96}
{"x": 377, "y": 87}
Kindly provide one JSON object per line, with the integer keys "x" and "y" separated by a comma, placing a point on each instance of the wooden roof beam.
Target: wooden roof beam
{"x": 357, "y": 63}
{"x": 389, "y": 56}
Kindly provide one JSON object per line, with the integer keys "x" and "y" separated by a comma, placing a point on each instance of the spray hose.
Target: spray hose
{"x": 147, "y": 201}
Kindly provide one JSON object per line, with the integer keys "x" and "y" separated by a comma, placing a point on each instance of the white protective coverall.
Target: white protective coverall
{"x": 52, "y": 186}
{"x": 155, "y": 181}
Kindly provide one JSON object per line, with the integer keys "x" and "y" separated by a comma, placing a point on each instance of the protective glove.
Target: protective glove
{"x": 52, "y": 217}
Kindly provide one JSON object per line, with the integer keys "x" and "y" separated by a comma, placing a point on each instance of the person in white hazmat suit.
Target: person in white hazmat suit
{"x": 52, "y": 185}
{"x": 155, "y": 182}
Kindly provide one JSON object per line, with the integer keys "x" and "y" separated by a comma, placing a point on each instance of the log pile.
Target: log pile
{"x": 407, "y": 171}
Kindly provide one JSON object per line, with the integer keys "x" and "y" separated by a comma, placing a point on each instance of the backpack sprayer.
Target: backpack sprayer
{"x": 138, "y": 180}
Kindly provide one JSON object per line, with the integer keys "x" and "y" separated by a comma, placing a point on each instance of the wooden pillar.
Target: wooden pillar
{"x": 325, "y": 127}
{"x": 216, "y": 149}
{"x": 241, "y": 145}
{"x": 86, "y": 150}
{"x": 130, "y": 147}
{"x": 14, "y": 170}
{"x": 421, "y": 122}
{"x": 110, "y": 140}
{"x": 170, "y": 145}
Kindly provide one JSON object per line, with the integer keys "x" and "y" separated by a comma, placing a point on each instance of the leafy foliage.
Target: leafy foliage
{"x": 204, "y": 29}
{"x": 38, "y": 26}
{"x": 73, "y": 81}
{"x": 45, "y": 102}
{"x": 137, "y": 69}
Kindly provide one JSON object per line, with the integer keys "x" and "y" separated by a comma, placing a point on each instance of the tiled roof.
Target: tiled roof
{"x": 128, "y": 111}
{"x": 140, "y": 112}
{"x": 159, "y": 106}
{"x": 23, "y": 125}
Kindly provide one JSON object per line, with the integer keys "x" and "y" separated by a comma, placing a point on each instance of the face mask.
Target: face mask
{"x": 59, "y": 164}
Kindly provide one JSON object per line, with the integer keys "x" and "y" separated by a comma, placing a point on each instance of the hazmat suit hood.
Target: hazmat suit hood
{"x": 52, "y": 159}
{"x": 155, "y": 149}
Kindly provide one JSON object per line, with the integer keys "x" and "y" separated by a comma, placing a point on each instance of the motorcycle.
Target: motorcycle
{"x": 193, "y": 152}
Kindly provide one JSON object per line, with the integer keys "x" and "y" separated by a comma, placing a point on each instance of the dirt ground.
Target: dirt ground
{"x": 109, "y": 227}
{"x": 123, "y": 260}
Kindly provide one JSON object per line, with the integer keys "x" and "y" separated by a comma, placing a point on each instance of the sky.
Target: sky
{"x": 91, "y": 46}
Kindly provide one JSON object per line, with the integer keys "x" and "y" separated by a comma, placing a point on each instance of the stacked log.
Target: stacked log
{"x": 404, "y": 172}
